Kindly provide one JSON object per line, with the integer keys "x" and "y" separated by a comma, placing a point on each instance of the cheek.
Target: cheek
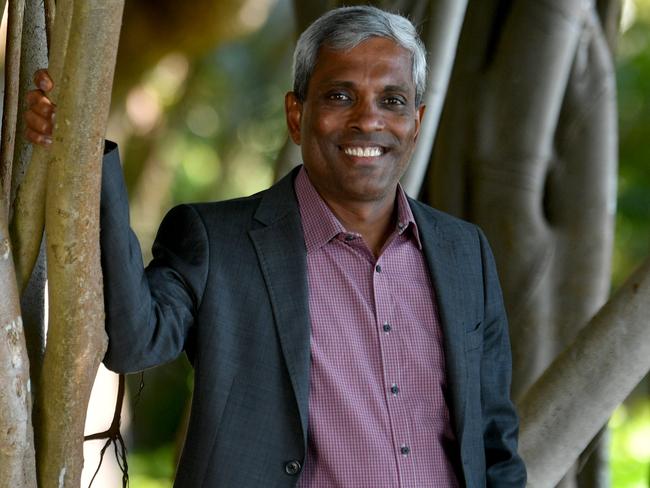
{"x": 407, "y": 129}
{"x": 324, "y": 124}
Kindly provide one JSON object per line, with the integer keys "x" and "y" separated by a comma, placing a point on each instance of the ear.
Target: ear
{"x": 293, "y": 113}
{"x": 419, "y": 114}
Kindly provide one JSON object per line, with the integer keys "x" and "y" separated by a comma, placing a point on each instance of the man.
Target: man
{"x": 341, "y": 333}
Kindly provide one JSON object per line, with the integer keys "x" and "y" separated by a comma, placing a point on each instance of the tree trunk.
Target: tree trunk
{"x": 565, "y": 408}
{"x": 33, "y": 57}
{"x": 28, "y": 218}
{"x": 442, "y": 20}
{"x": 17, "y": 468}
{"x": 10, "y": 106}
{"x": 76, "y": 338}
{"x": 527, "y": 149}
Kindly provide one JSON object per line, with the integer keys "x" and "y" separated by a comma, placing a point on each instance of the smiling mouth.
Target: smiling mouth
{"x": 364, "y": 152}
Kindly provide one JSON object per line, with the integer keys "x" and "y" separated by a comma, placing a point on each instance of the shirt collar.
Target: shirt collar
{"x": 320, "y": 225}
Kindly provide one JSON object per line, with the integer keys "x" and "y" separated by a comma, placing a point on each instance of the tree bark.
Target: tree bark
{"x": 443, "y": 21}
{"x": 10, "y": 106}
{"x": 610, "y": 12}
{"x": 50, "y": 11}
{"x": 579, "y": 391}
{"x": 76, "y": 338}
{"x": 17, "y": 465}
{"x": 527, "y": 149}
{"x": 28, "y": 219}
{"x": 33, "y": 57}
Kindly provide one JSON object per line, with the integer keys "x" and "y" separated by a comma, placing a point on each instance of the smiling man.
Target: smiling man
{"x": 342, "y": 334}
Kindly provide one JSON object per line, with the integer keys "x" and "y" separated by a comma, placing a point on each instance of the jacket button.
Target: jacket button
{"x": 292, "y": 468}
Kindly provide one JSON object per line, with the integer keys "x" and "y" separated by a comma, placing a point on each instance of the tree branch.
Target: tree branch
{"x": 576, "y": 395}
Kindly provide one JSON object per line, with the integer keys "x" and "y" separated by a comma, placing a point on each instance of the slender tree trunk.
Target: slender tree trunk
{"x": 443, "y": 22}
{"x": 17, "y": 468}
{"x": 33, "y": 57}
{"x": 28, "y": 219}
{"x": 565, "y": 408}
{"x": 50, "y": 11}
{"x": 76, "y": 338}
{"x": 10, "y": 106}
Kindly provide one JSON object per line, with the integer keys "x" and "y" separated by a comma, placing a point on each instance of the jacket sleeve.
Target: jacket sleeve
{"x": 149, "y": 313}
{"x": 504, "y": 466}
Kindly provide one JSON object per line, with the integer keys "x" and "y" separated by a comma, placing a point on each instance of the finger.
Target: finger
{"x": 42, "y": 80}
{"x": 38, "y": 124}
{"x": 36, "y": 138}
{"x": 38, "y": 102}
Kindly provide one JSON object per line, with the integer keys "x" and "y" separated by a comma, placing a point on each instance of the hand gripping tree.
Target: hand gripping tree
{"x": 55, "y": 194}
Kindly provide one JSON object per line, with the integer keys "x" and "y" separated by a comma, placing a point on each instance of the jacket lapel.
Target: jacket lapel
{"x": 441, "y": 256}
{"x": 280, "y": 248}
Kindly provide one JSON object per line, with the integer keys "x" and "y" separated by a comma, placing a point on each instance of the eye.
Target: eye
{"x": 394, "y": 101}
{"x": 338, "y": 97}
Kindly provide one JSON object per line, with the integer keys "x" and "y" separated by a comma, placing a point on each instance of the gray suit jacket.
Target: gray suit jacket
{"x": 228, "y": 285}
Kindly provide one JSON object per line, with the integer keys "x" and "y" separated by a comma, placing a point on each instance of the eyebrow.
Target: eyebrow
{"x": 350, "y": 84}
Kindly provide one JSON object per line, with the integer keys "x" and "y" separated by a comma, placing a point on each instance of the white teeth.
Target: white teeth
{"x": 363, "y": 152}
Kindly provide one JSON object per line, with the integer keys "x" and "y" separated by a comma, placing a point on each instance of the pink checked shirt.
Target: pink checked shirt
{"x": 378, "y": 415}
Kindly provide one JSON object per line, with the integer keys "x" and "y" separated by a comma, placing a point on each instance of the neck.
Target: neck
{"x": 374, "y": 220}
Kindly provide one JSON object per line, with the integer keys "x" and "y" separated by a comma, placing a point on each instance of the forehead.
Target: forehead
{"x": 378, "y": 60}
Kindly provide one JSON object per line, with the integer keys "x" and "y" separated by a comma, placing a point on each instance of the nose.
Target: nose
{"x": 366, "y": 116}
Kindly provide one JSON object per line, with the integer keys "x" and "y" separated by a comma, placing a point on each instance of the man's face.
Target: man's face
{"x": 358, "y": 124}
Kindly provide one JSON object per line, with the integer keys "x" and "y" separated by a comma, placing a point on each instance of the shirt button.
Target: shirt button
{"x": 349, "y": 238}
{"x": 292, "y": 467}
{"x": 378, "y": 269}
{"x": 387, "y": 327}
{"x": 405, "y": 450}
{"x": 394, "y": 389}
{"x": 400, "y": 225}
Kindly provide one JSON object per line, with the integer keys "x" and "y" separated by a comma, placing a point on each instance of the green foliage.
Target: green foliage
{"x": 633, "y": 76}
{"x": 152, "y": 468}
{"x": 630, "y": 424}
{"x": 630, "y": 446}
{"x": 231, "y": 126}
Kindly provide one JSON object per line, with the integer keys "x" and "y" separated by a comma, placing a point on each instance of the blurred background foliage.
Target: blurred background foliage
{"x": 198, "y": 113}
{"x": 630, "y": 424}
{"x": 200, "y": 117}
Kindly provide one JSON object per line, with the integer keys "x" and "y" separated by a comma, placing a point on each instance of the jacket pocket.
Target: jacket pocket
{"x": 474, "y": 337}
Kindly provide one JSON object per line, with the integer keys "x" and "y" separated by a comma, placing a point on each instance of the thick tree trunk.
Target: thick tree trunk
{"x": 17, "y": 468}
{"x": 76, "y": 339}
{"x": 565, "y": 408}
{"x": 527, "y": 149}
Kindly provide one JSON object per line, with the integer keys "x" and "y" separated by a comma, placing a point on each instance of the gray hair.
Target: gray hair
{"x": 346, "y": 27}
